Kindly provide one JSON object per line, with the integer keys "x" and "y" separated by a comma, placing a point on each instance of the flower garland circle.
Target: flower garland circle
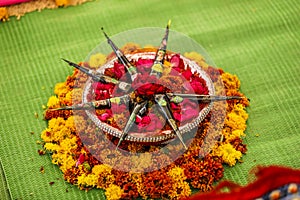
{"x": 193, "y": 169}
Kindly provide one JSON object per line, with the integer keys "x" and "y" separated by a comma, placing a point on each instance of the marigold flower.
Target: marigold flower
{"x": 68, "y": 98}
{"x": 55, "y": 124}
{"x": 198, "y": 58}
{"x": 113, "y": 192}
{"x": 237, "y": 143}
{"x": 104, "y": 174}
{"x": 97, "y": 60}
{"x": 231, "y": 135}
{"x": 53, "y": 102}
{"x": 46, "y": 135}
{"x": 177, "y": 174}
{"x": 52, "y": 147}
{"x": 60, "y": 89}
{"x": 121, "y": 120}
{"x": 99, "y": 169}
{"x": 180, "y": 190}
{"x": 138, "y": 180}
{"x": 64, "y": 160}
{"x": 130, "y": 47}
{"x": 230, "y": 81}
{"x": 62, "y": 2}
{"x": 3, "y": 14}
{"x": 69, "y": 143}
{"x": 87, "y": 180}
{"x": 78, "y": 120}
{"x": 228, "y": 153}
{"x": 63, "y": 139}
{"x": 77, "y": 95}
{"x": 105, "y": 180}
{"x": 69, "y": 123}
{"x": 236, "y": 119}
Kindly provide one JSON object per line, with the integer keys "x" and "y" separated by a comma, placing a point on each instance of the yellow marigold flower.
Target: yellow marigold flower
{"x": 64, "y": 160}
{"x": 99, "y": 169}
{"x": 228, "y": 153}
{"x": 105, "y": 177}
{"x": 53, "y": 102}
{"x": 52, "y": 147}
{"x": 62, "y": 134}
{"x": 137, "y": 178}
{"x": 236, "y": 119}
{"x": 60, "y": 89}
{"x": 240, "y": 110}
{"x": 56, "y": 130}
{"x": 3, "y": 14}
{"x": 180, "y": 190}
{"x": 56, "y": 124}
{"x": 231, "y": 81}
{"x": 68, "y": 98}
{"x": 70, "y": 123}
{"x": 69, "y": 143}
{"x": 97, "y": 60}
{"x": 113, "y": 192}
{"x": 47, "y": 135}
{"x": 198, "y": 58}
{"x": 231, "y": 135}
{"x": 62, "y": 2}
{"x": 87, "y": 180}
{"x": 177, "y": 174}
{"x": 81, "y": 180}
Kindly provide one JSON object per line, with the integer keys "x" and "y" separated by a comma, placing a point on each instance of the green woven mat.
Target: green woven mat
{"x": 257, "y": 40}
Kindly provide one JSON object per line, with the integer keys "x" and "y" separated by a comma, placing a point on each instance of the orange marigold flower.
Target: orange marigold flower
{"x": 157, "y": 184}
{"x": 130, "y": 47}
{"x": 3, "y": 14}
{"x": 237, "y": 143}
{"x": 62, "y": 2}
{"x": 193, "y": 168}
{"x": 231, "y": 81}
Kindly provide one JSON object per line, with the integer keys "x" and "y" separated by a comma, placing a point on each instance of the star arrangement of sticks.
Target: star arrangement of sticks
{"x": 163, "y": 99}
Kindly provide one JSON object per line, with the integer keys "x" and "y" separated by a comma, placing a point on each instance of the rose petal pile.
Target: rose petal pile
{"x": 177, "y": 77}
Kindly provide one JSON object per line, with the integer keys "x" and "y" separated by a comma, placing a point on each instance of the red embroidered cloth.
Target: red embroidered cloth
{"x": 268, "y": 179}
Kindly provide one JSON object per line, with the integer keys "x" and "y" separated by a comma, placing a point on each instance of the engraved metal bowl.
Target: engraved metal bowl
{"x": 160, "y": 136}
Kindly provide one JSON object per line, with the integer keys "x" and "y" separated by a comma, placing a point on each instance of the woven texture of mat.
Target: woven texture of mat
{"x": 259, "y": 41}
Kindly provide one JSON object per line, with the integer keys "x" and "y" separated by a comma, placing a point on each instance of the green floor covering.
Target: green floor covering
{"x": 256, "y": 40}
